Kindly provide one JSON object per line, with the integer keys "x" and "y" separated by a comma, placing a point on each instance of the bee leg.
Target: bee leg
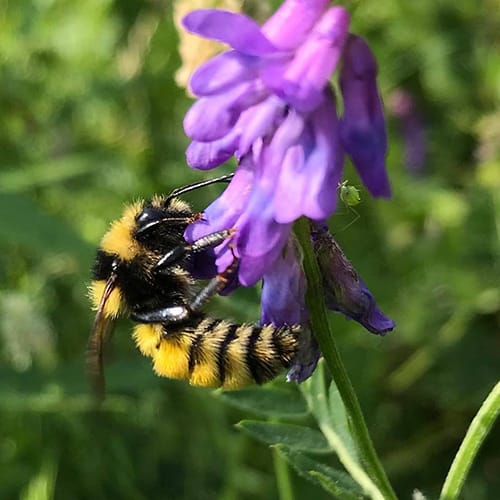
{"x": 214, "y": 286}
{"x": 179, "y": 252}
{"x": 170, "y": 314}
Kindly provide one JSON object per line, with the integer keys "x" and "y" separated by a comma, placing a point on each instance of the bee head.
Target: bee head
{"x": 160, "y": 224}
{"x": 128, "y": 251}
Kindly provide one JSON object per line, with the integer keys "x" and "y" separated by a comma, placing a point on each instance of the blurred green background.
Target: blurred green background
{"x": 90, "y": 119}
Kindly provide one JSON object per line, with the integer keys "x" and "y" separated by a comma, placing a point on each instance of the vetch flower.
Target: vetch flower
{"x": 267, "y": 101}
{"x": 345, "y": 291}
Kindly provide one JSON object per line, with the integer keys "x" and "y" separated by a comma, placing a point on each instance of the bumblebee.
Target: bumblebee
{"x": 141, "y": 270}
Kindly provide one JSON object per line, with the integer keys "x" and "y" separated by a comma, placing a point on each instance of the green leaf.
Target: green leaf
{"x": 339, "y": 420}
{"x": 24, "y": 222}
{"x": 332, "y": 480}
{"x": 316, "y": 394}
{"x": 267, "y": 401}
{"x": 314, "y": 390}
{"x": 297, "y": 437}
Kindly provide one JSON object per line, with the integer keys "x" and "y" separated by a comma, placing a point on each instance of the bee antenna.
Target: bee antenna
{"x": 197, "y": 185}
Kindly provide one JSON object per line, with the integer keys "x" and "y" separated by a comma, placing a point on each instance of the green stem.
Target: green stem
{"x": 321, "y": 329}
{"x": 282, "y": 473}
{"x": 318, "y": 402}
{"x": 477, "y": 432}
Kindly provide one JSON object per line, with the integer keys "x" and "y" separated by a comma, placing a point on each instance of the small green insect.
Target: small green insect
{"x": 349, "y": 195}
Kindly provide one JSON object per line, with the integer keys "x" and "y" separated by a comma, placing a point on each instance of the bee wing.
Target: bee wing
{"x": 103, "y": 325}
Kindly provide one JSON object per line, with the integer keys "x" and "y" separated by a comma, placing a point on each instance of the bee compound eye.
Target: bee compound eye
{"x": 149, "y": 218}
{"x": 150, "y": 214}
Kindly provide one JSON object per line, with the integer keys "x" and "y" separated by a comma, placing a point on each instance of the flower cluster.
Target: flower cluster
{"x": 268, "y": 102}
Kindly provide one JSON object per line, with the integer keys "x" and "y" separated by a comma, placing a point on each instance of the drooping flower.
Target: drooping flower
{"x": 345, "y": 291}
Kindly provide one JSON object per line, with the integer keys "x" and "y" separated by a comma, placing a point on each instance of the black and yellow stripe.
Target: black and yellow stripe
{"x": 217, "y": 353}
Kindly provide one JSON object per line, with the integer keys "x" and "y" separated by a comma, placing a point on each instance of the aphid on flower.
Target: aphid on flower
{"x": 141, "y": 271}
{"x": 349, "y": 195}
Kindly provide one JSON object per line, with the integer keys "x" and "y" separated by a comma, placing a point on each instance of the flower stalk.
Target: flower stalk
{"x": 476, "y": 434}
{"x": 321, "y": 329}
{"x": 283, "y": 479}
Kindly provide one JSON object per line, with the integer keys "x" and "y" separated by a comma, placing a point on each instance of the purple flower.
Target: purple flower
{"x": 345, "y": 291}
{"x": 268, "y": 103}
{"x": 363, "y": 124}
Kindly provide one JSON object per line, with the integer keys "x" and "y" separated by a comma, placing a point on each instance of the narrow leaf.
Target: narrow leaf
{"x": 476, "y": 434}
{"x": 267, "y": 401}
{"x": 332, "y": 480}
{"x": 294, "y": 436}
{"x": 338, "y": 417}
{"x": 318, "y": 400}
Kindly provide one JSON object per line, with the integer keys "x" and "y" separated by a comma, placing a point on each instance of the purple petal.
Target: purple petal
{"x": 283, "y": 290}
{"x": 258, "y": 120}
{"x": 285, "y": 137}
{"x": 207, "y": 155}
{"x": 240, "y": 32}
{"x": 225, "y": 210}
{"x": 290, "y": 186}
{"x": 301, "y": 82}
{"x": 288, "y": 27}
{"x": 211, "y": 118}
{"x": 222, "y": 72}
{"x": 311, "y": 170}
{"x": 363, "y": 124}
{"x": 324, "y": 164}
{"x": 259, "y": 239}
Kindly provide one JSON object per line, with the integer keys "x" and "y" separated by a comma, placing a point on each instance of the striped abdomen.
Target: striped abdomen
{"x": 217, "y": 353}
